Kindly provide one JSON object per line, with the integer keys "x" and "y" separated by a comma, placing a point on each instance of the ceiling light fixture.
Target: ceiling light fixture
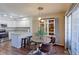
{"x": 5, "y": 15}
{"x": 39, "y": 18}
{"x": 42, "y": 20}
{"x": 24, "y": 18}
{"x": 11, "y": 16}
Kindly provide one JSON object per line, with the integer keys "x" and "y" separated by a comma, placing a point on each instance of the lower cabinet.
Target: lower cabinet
{"x": 15, "y": 41}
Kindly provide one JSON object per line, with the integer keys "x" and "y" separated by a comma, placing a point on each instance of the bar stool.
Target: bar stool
{"x": 23, "y": 42}
{"x": 29, "y": 41}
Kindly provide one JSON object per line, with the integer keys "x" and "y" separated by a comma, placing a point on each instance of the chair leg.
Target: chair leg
{"x": 21, "y": 43}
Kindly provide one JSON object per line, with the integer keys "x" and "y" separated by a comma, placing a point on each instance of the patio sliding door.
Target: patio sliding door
{"x": 75, "y": 31}
{"x": 72, "y": 31}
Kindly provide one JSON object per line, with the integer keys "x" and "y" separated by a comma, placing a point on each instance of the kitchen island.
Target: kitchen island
{"x": 16, "y": 38}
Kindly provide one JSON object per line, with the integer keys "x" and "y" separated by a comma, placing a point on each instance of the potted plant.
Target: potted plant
{"x": 41, "y": 33}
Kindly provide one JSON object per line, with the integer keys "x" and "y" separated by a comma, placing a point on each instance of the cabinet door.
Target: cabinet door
{"x": 16, "y": 40}
{"x": 11, "y": 23}
{"x": 23, "y": 23}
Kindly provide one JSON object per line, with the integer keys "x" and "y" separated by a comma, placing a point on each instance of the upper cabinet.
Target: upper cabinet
{"x": 11, "y": 23}
{"x": 48, "y": 25}
{"x": 17, "y": 23}
{"x": 51, "y": 26}
{"x": 25, "y": 23}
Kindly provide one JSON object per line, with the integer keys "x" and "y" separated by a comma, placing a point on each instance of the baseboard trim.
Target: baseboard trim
{"x": 59, "y": 44}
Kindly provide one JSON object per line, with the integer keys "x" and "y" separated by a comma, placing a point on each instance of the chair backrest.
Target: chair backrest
{"x": 52, "y": 40}
{"x": 29, "y": 39}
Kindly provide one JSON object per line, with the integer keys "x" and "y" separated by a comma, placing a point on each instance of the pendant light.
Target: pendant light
{"x": 40, "y": 9}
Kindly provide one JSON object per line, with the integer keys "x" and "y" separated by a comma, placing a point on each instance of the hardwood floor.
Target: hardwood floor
{"x": 7, "y": 49}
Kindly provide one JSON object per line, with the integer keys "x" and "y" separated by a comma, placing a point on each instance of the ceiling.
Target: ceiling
{"x": 30, "y": 9}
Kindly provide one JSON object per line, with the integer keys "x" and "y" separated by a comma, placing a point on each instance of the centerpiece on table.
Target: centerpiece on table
{"x": 41, "y": 33}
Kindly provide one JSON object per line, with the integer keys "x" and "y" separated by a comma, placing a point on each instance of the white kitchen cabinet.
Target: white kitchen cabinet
{"x": 16, "y": 23}
{"x": 11, "y": 23}
{"x": 23, "y": 23}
